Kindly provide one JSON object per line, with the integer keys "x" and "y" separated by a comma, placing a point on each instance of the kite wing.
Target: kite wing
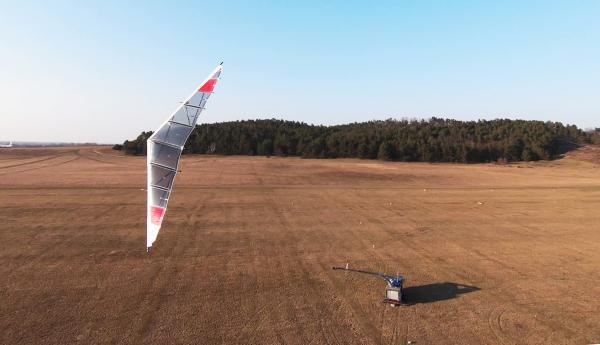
{"x": 164, "y": 150}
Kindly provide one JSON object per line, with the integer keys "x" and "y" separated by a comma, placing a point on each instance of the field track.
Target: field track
{"x": 492, "y": 254}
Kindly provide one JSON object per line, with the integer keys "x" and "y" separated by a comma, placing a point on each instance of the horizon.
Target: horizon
{"x": 42, "y": 142}
{"x": 105, "y": 72}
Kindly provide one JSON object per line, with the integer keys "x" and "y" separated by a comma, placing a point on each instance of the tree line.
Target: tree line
{"x": 432, "y": 140}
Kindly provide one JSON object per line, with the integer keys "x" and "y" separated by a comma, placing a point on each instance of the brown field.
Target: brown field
{"x": 491, "y": 254}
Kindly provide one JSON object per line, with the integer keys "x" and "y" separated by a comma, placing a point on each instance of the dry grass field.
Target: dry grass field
{"x": 491, "y": 254}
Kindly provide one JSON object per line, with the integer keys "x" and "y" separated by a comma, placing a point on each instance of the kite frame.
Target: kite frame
{"x": 152, "y": 143}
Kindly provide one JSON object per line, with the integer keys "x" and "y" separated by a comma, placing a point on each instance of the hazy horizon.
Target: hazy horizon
{"x": 249, "y": 119}
{"x": 104, "y": 72}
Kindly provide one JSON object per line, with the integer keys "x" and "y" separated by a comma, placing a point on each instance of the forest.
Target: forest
{"x": 431, "y": 140}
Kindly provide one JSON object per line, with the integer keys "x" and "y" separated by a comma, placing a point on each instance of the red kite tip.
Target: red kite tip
{"x": 209, "y": 86}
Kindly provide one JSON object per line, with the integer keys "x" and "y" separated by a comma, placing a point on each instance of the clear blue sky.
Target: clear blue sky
{"x": 107, "y": 70}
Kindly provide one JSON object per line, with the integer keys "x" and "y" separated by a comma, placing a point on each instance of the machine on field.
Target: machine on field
{"x": 393, "y": 291}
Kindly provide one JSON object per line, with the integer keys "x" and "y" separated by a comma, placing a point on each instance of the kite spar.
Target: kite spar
{"x": 164, "y": 149}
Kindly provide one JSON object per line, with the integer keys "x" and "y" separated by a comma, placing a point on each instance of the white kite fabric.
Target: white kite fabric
{"x": 164, "y": 149}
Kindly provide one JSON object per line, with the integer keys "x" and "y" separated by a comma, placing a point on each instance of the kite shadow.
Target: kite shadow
{"x": 435, "y": 292}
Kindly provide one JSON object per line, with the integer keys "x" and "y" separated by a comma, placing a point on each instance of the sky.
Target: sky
{"x": 104, "y": 71}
